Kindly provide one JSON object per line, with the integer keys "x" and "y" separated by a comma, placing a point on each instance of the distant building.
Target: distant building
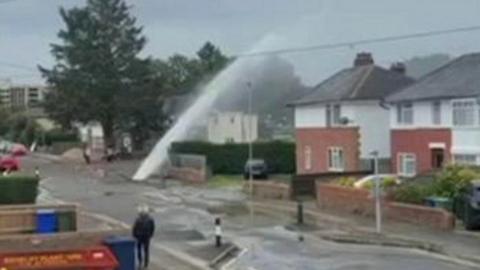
{"x": 234, "y": 127}
{"x": 24, "y": 97}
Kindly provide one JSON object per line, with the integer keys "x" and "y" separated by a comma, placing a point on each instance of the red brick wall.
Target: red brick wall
{"x": 319, "y": 140}
{"x": 417, "y": 141}
{"x": 358, "y": 201}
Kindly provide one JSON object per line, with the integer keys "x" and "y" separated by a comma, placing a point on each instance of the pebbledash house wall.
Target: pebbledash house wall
{"x": 368, "y": 130}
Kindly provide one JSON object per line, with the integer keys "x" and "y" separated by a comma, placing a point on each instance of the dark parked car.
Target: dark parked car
{"x": 467, "y": 206}
{"x": 257, "y": 167}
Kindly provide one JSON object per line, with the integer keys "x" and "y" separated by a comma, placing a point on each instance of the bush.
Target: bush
{"x": 453, "y": 180}
{"x": 386, "y": 182}
{"x": 413, "y": 193}
{"x": 18, "y": 189}
{"x": 58, "y": 136}
{"x": 230, "y": 158}
{"x": 346, "y": 181}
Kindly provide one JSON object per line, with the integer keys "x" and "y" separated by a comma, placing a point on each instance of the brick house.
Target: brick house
{"x": 437, "y": 120}
{"x": 342, "y": 120}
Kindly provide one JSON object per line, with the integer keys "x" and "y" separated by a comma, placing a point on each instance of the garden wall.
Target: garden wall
{"x": 269, "y": 190}
{"x": 359, "y": 201}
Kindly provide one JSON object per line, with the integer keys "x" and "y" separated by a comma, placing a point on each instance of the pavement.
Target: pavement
{"x": 184, "y": 215}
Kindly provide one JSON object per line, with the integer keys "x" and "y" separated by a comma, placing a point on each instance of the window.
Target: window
{"x": 405, "y": 113}
{"x": 407, "y": 164}
{"x": 336, "y": 160}
{"x": 333, "y": 115}
{"x": 465, "y": 159}
{"x": 463, "y": 113}
{"x": 436, "y": 112}
{"x": 308, "y": 158}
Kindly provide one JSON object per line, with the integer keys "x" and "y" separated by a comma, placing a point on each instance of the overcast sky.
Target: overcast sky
{"x": 27, "y": 27}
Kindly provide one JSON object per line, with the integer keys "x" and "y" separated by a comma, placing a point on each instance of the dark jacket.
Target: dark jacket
{"x": 144, "y": 227}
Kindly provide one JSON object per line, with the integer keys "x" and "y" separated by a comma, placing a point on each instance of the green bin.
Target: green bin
{"x": 440, "y": 202}
{"x": 67, "y": 221}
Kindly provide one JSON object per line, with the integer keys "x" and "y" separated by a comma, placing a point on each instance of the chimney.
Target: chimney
{"x": 398, "y": 67}
{"x": 363, "y": 59}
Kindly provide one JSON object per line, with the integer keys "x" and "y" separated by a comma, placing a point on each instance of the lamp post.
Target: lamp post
{"x": 378, "y": 207}
{"x": 250, "y": 140}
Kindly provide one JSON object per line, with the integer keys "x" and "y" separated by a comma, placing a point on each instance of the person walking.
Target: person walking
{"x": 143, "y": 231}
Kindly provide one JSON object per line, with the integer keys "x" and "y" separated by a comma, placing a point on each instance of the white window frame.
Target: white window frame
{"x": 402, "y": 166}
{"x": 437, "y": 112}
{"x": 333, "y": 114}
{"x": 336, "y": 159}
{"x": 307, "y": 155}
{"x": 402, "y": 117}
{"x": 466, "y": 108}
{"x": 462, "y": 159}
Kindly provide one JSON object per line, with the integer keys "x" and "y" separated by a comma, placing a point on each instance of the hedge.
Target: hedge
{"x": 230, "y": 158}
{"x": 18, "y": 189}
{"x": 59, "y": 136}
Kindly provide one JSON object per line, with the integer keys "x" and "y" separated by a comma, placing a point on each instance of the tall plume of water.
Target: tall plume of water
{"x": 224, "y": 81}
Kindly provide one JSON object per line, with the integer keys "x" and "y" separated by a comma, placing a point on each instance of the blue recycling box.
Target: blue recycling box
{"x": 47, "y": 221}
{"x": 123, "y": 247}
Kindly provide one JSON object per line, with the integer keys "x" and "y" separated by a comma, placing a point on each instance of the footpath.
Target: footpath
{"x": 458, "y": 245}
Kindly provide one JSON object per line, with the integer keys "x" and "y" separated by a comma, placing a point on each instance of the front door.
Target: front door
{"x": 438, "y": 158}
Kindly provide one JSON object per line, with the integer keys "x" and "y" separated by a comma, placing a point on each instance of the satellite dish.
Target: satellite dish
{"x": 345, "y": 121}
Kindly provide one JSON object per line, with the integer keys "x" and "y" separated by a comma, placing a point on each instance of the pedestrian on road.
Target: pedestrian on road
{"x": 86, "y": 154}
{"x": 143, "y": 231}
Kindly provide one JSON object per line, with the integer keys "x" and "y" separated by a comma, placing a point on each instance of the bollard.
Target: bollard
{"x": 300, "y": 213}
{"x": 218, "y": 233}
{"x": 37, "y": 172}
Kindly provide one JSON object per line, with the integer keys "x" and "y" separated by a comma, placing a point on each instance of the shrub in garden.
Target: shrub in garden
{"x": 413, "y": 193}
{"x": 346, "y": 181}
{"x": 453, "y": 180}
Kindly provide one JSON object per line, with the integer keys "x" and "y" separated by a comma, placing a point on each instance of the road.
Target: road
{"x": 185, "y": 215}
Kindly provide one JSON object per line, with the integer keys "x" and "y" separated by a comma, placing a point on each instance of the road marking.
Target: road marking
{"x": 234, "y": 260}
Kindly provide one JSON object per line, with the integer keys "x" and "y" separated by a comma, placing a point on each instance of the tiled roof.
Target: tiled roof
{"x": 459, "y": 78}
{"x": 367, "y": 82}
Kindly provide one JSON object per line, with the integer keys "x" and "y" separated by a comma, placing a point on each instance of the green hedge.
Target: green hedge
{"x": 59, "y": 136}
{"x": 230, "y": 158}
{"x": 18, "y": 189}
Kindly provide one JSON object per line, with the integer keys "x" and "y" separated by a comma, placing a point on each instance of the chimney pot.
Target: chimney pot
{"x": 398, "y": 67}
{"x": 363, "y": 59}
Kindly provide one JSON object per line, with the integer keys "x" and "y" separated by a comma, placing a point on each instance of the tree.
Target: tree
{"x": 95, "y": 64}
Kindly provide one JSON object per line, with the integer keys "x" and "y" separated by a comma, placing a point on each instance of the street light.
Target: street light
{"x": 378, "y": 207}
{"x": 250, "y": 140}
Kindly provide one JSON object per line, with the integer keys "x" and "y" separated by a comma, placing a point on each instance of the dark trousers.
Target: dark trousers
{"x": 143, "y": 251}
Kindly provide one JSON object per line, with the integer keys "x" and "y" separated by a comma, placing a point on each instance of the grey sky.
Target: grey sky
{"x": 182, "y": 26}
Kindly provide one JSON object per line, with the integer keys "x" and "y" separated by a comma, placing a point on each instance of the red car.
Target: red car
{"x": 9, "y": 163}
{"x": 19, "y": 150}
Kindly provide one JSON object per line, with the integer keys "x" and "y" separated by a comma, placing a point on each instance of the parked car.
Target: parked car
{"x": 467, "y": 206}
{"x": 257, "y": 167}
{"x": 386, "y": 179}
{"x": 9, "y": 163}
{"x": 19, "y": 150}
